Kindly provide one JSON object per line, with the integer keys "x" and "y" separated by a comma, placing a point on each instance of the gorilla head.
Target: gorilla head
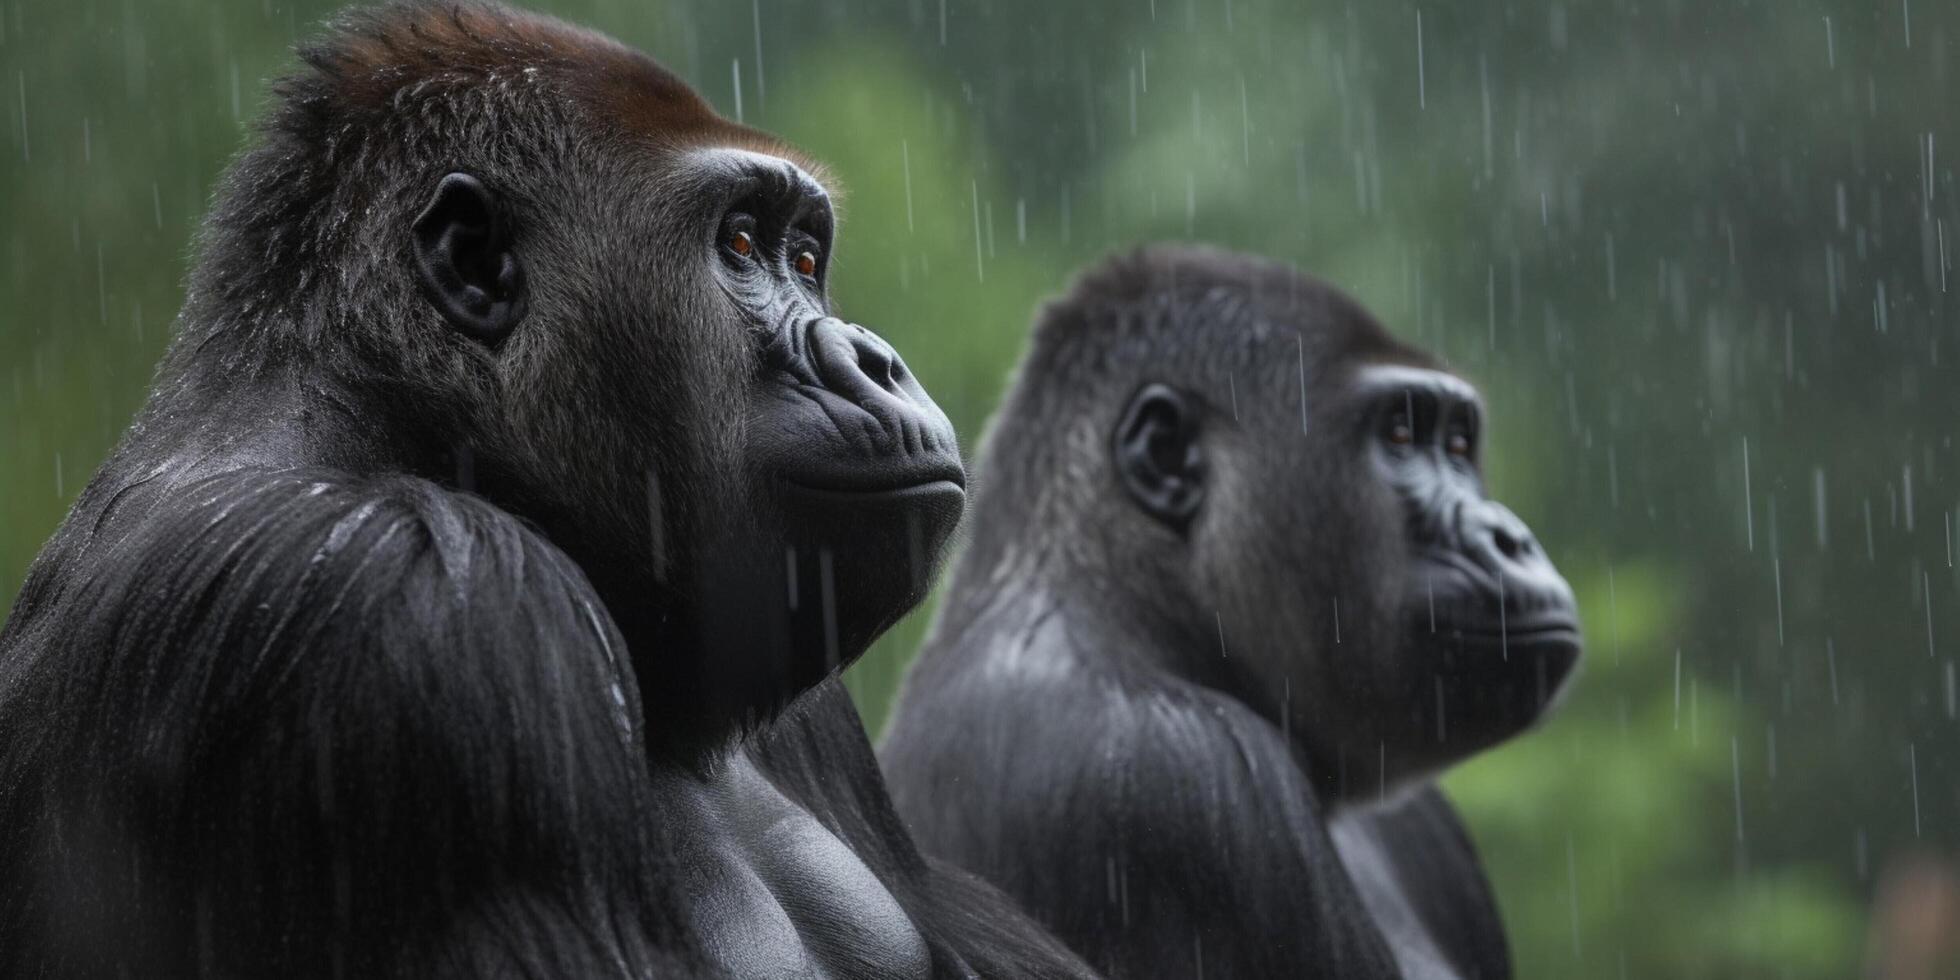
{"x": 1287, "y": 502}
{"x": 573, "y": 288}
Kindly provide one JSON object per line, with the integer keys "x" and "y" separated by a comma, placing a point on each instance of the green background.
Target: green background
{"x": 1696, "y": 253}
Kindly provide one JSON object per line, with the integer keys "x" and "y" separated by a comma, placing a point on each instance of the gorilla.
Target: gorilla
{"x": 1234, "y": 595}
{"x": 441, "y": 614}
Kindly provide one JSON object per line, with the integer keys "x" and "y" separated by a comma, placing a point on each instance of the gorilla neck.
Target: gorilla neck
{"x": 706, "y": 676}
{"x": 284, "y": 417}
{"x": 1017, "y": 588}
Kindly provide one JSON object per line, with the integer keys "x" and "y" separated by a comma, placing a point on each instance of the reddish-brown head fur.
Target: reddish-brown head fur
{"x": 373, "y": 56}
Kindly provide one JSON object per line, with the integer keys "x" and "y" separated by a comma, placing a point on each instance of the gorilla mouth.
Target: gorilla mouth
{"x": 916, "y": 491}
{"x": 1461, "y": 605}
{"x": 1520, "y": 633}
{"x": 892, "y": 478}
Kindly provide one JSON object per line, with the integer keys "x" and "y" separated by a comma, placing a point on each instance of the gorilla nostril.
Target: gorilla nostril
{"x": 1509, "y": 545}
{"x": 878, "y": 364}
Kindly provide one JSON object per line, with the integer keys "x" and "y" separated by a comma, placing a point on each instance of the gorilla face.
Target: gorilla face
{"x": 675, "y": 403}
{"x": 860, "y": 465}
{"x": 1485, "y": 617}
{"x": 1349, "y": 575}
{"x": 833, "y": 407}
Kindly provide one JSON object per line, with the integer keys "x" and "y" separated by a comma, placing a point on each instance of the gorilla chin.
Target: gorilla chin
{"x": 867, "y": 555}
{"x": 1502, "y": 649}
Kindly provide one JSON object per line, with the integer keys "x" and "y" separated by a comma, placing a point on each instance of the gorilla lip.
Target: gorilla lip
{"x": 1547, "y": 629}
{"x": 1527, "y": 633}
{"x": 926, "y": 481}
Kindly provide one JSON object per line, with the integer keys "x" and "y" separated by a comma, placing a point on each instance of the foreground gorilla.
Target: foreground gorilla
{"x": 1234, "y": 594}
{"x": 505, "y": 471}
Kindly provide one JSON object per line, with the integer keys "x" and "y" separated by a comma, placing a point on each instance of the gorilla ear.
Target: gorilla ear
{"x": 463, "y": 258}
{"x": 1157, "y": 455}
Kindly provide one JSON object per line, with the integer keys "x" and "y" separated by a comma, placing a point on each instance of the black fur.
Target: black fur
{"x": 323, "y": 725}
{"x": 403, "y": 637}
{"x": 1174, "y": 701}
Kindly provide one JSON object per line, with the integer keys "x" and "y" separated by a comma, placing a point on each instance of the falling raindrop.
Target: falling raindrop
{"x": 979, "y": 253}
{"x": 1748, "y": 501}
{"x": 1735, "y": 768}
{"x": 1677, "y": 689}
{"x": 1912, "y": 761}
{"x": 1926, "y": 592}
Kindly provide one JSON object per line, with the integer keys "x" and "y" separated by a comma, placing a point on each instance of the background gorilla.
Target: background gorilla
{"x": 1234, "y": 592}
{"x": 506, "y": 466}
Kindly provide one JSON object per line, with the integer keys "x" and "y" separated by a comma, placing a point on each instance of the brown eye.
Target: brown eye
{"x": 1400, "y": 432}
{"x": 742, "y": 243}
{"x": 806, "y": 264}
{"x": 1459, "y": 444}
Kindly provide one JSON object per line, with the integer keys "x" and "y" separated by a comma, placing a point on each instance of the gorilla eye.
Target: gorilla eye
{"x": 806, "y": 264}
{"x": 742, "y": 242}
{"x": 1400, "y": 432}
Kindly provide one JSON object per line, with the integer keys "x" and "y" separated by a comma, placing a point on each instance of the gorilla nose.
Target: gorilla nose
{"x": 858, "y": 364}
{"x": 1498, "y": 540}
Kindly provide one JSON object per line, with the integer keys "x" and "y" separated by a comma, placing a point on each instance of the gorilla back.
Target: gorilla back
{"x": 507, "y": 468}
{"x": 1234, "y": 592}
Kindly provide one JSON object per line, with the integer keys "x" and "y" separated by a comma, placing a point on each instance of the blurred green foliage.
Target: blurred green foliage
{"x": 1697, "y": 254}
